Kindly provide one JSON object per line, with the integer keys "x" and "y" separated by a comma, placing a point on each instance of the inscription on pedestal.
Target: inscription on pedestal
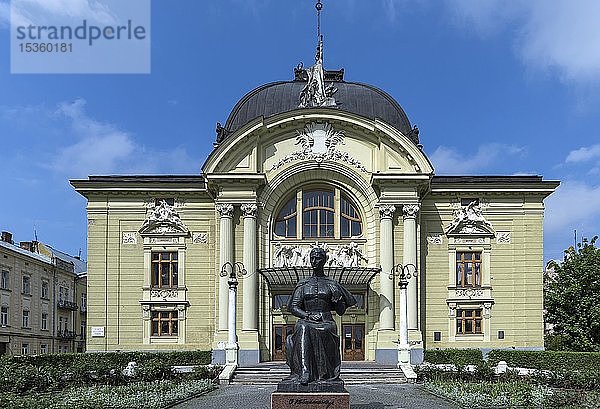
{"x": 283, "y": 400}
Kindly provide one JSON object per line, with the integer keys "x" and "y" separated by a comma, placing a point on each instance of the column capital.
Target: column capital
{"x": 224, "y": 209}
{"x": 249, "y": 209}
{"x": 410, "y": 211}
{"x": 386, "y": 211}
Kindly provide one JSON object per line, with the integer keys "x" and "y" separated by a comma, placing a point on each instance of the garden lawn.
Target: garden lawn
{"x": 152, "y": 395}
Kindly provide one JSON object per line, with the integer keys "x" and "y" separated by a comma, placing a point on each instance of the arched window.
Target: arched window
{"x": 317, "y": 214}
{"x": 325, "y": 214}
{"x": 285, "y": 224}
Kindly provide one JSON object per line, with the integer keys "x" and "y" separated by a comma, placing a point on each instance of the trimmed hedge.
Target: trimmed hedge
{"x": 458, "y": 357}
{"x": 40, "y": 373}
{"x": 548, "y": 360}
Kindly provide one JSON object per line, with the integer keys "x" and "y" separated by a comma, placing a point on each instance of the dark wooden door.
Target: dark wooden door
{"x": 353, "y": 344}
{"x": 280, "y": 333}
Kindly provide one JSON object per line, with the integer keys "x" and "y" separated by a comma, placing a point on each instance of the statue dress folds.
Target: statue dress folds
{"x": 313, "y": 350}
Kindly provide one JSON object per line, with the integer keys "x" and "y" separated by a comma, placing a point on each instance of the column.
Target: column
{"x": 250, "y": 295}
{"x": 386, "y": 259}
{"x": 409, "y": 216}
{"x": 226, "y": 255}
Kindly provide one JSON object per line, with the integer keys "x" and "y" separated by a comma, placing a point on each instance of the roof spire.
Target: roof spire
{"x": 316, "y": 93}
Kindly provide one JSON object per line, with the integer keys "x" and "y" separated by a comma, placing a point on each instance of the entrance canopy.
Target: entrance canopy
{"x": 278, "y": 277}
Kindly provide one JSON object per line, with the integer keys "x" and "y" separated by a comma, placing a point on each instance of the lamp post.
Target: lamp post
{"x": 404, "y": 274}
{"x": 233, "y": 271}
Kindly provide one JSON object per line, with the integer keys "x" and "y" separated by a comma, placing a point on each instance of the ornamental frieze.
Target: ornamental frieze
{"x": 347, "y": 255}
{"x": 318, "y": 142}
{"x": 166, "y": 293}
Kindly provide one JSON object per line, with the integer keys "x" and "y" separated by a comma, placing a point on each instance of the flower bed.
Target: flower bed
{"x": 153, "y": 395}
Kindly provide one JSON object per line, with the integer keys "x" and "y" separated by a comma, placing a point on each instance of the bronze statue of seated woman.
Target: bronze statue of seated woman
{"x": 313, "y": 349}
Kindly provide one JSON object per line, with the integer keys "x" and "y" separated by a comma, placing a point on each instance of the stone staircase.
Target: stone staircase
{"x": 270, "y": 373}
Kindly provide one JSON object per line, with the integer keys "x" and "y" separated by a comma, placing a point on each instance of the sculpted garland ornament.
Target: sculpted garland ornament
{"x": 319, "y": 142}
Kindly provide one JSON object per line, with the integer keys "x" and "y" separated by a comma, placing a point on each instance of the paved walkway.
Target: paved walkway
{"x": 375, "y": 396}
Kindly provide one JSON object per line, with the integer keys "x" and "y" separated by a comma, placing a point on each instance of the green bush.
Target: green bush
{"x": 458, "y": 357}
{"x": 547, "y": 360}
{"x": 49, "y": 372}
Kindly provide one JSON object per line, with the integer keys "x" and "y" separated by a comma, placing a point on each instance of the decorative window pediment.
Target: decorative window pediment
{"x": 469, "y": 221}
{"x": 163, "y": 220}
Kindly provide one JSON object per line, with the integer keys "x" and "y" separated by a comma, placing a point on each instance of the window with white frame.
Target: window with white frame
{"x": 24, "y": 349}
{"x": 26, "y": 289}
{"x": 4, "y": 316}
{"x": 45, "y": 293}
{"x": 469, "y": 321}
{"x": 44, "y": 323}
{"x": 4, "y": 280}
{"x": 43, "y": 348}
{"x": 164, "y": 323}
{"x": 468, "y": 269}
{"x": 63, "y": 293}
{"x": 26, "y": 319}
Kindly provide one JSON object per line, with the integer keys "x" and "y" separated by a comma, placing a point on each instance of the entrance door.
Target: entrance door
{"x": 280, "y": 333}
{"x": 354, "y": 342}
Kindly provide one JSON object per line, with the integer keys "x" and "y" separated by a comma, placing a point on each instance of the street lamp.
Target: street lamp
{"x": 233, "y": 271}
{"x": 404, "y": 274}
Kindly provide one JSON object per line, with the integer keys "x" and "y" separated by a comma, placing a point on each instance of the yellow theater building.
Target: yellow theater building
{"x": 315, "y": 161}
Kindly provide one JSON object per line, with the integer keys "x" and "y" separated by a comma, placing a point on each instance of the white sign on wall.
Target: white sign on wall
{"x": 97, "y": 331}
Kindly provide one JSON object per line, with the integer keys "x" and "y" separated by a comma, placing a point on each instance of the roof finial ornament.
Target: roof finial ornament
{"x": 316, "y": 93}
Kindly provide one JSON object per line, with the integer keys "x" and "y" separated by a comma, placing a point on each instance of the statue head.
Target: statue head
{"x": 318, "y": 258}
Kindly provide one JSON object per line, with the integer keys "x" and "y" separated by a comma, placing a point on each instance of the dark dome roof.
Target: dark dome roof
{"x": 278, "y": 97}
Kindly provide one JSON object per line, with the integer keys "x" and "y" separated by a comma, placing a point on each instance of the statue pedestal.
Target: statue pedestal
{"x": 316, "y": 400}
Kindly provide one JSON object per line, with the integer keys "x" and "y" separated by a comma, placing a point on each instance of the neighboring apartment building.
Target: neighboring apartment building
{"x": 43, "y": 299}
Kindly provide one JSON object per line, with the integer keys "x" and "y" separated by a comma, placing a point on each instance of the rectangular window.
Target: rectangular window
{"x": 468, "y": 321}
{"x": 26, "y": 285}
{"x": 25, "y": 319}
{"x": 60, "y": 324}
{"x": 83, "y": 302}
{"x": 280, "y": 300}
{"x": 468, "y": 269}
{"x": 24, "y": 349}
{"x": 164, "y": 323}
{"x": 4, "y": 283}
{"x": 4, "y": 316}
{"x": 83, "y": 329}
{"x": 43, "y": 348}
{"x": 360, "y": 300}
{"x": 63, "y": 294}
{"x": 44, "y": 323}
{"x": 164, "y": 270}
{"x": 45, "y": 290}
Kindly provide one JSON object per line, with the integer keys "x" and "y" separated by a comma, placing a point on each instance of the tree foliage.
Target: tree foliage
{"x": 572, "y": 298}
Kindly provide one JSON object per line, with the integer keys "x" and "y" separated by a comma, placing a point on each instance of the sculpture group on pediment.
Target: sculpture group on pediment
{"x": 295, "y": 255}
{"x": 163, "y": 219}
{"x": 469, "y": 220}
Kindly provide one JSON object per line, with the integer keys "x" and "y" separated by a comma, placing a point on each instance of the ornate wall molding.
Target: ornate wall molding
{"x": 477, "y": 240}
{"x": 435, "y": 239}
{"x": 410, "y": 211}
{"x": 387, "y": 211}
{"x": 224, "y": 209}
{"x": 319, "y": 142}
{"x": 346, "y": 255}
{"x": 469, "y": 220}
{"x": 166, "y": 293}
{"x": 249, "y": 209}
{"x": 200, "y": 237}
{"x": 163, "y": 220}
{"x": 469, "y": 292}
{"x": 164, "y": 240}
{"x": 503, "y": 237}
{"x": 129, "y": 237}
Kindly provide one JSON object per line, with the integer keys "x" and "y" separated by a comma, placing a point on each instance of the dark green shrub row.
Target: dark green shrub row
{"x": 458, "y": 357}
{"x": 548, "y": 360}
{"x": 58, "y": 371}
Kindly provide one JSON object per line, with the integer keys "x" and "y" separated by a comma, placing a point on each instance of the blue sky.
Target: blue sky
{"x": 495, "y": 87}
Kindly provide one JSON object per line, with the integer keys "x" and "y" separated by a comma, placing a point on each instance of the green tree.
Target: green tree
{"x": 572, "y": 298}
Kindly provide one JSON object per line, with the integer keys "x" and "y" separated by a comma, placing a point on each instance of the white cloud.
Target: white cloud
{"x": 448, "y": 160}
{"x": 574, "y": 205}
{"x": 584, "y": 154}
{"x": 103, "y": 148}
{"x": 559, "y": 35}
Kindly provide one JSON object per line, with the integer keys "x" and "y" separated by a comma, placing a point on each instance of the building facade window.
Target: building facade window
{"x": 24, "y": 349}
{"x": 83, "y": 302}
{"x": 44, "y": 323}
{"x": 164, "y": 323}
{"x": 25, "y": 318}
{"x": 325, "y": 214}
{"x": 4, "y": 316}
{"x": 43, "y": 348}
{"x": 164, "y": 270}
{"x": 63, "y": 293}
{"x": 4, "y": 280}
{"x": 26, "y": 288}
{"x": 468, "y": 269}
{"x": 280, "y": 301}
{"x": 45, "y": 290}
{"x": 468, "y": 321}
{"x": 83, "y": 328}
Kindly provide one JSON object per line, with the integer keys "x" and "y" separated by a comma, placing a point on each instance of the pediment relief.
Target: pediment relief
{"x": 297, "y": 255}
{"x": 469, "y": 221}
{"x": 319, "y": 142}
{"x": 163, "y": 220}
